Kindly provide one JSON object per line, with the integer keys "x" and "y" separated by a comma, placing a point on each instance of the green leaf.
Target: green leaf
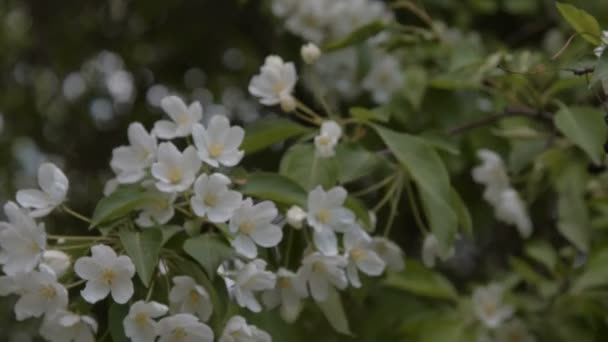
{"x": 357, "y": 36}
{"x": 421, "y": 281}
{"x": 595, "y": 273}
{"x": 116, "y": 316}
{"x": 600, "y": 72}
{"x": 334, "y": 312}
{"x": 301, "y": 165}
{"x": 542, "y": 252}
{"x": 209, "y": 251}
{"x": 416, "y": 84}
{"x": 168, "y": 232}
{"x": 585, "y": 127}
{"x": 267, "y": 132}
{"x": 363, "y": 114}
{"x": 431, "y": 176}
{"x": 120, "y": 203}
{"x": 354, "y": 162}
{"x": 526, "y": 271}
{"x": 582, "y": 22}
{"x": 274, "y": 187}
{"x": 464, "y": 216}
{"x": 143, "y": 248}
{"x": 573, "y": 216}
{"x": 359, "y": 209}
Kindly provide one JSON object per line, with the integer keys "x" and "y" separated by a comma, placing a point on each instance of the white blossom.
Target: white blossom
{"x": 131, "y": 162}
{"x": 310, "y": 53}
{"x": 288, "y": 293}
{"x": 183, "y": 118}
{"x": 140, "y": 324}
{"x": 158, "y": 209}
{"x": 384, "y": 79}
{"x": 275, "y": 82}
{"x": 310, "y": 20}
{"x": 491, "y": 173}
{"x": 58, "y": 261}
{"x": 54, "y": 185}
{"x": 488, "y": 305}
{"x": 175, "y": 171}
{"x": 327, "y": 215}
{"x": 187, "y": 296}
{"x": 219, "y": 143}
{"x": 431, "y": 251}
{"x": 69, "y": 327}
{"x": 249, "y": 279}
{"x": 320, "y": 272}
{"x": 327, "y": 140}
{"x": 390, "y": 252}
{"x": 40, "y": 293}
{"x": 296, "y": 216}
{"x": 252, "y": 225}
{"x": 512, "y": 210}
{"x": 361, "y": 256}
{"x": 602, "y": 47}
{"x": 184, "y": 328}
{"x": 110, "y": 186}
{"x": 22, "y": 241}
{"x": 106, "y": 273}
{"x": 237, "y": 330}
{"x": 213, "y": 199}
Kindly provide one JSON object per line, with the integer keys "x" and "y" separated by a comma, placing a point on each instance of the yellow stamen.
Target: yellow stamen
{"x": 283, "y": 283}
{"x": 210, "y": 200}
{"x": 194, "y": 296}
{"x": 48, "y": 292}
{"x": 107, "y": 276}
{"x": 357, "y": 254}
{"x": 216, "y": 150}
{"x": 141, "y": 318}
{"x": 324, "y": 140}
{"x": 323, "y": 216}
{"x": 319, "y": 267}
{"x": 175, "y": 175}
{"x": 246, "y": 227}
{"x": 179, "y": 334}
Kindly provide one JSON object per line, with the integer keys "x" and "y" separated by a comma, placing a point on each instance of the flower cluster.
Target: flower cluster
{"x": 600, "y": 49}
{"x": 508, "y": 205}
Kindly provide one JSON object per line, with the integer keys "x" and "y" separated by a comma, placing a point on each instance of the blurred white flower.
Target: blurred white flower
{"x": 183, "y": 118}
{"x": 390, "y": 252}
{"x": 600, "y": 49}
{"x": 431, "y": 251}
{"x": 361, "y": 256}
{"x": 310, "y": 53}
{"x": 288, "y": 293}
{"x": 384, "y": 79}
{"x": 175, "y": 171}
{"x": 106, "y": 272}
{"x": 296, "y": 216}
{"x": 219, "y": 143}
{"x": 54, "y": 185}
{"x": 275, "y": 82}
{"x": 512, "y": 210}
{"x": 69, "y": 327}
{"x": 320, "y": 272}
{"x": 237, "y": 330}
{"x": 57, "y": 261}
{"x": 327, "y": 215}
{"x": 213, "y": 199}
{"x": 158, "y": 209}
{"x": 40, "y": 294}
{"x": 187, "y": 296}
{"x": 184, "y": 328}
{"x": 310, "y": 20}
{"x": 491, "y": 173}
{"x": 110, "y": 186}
{"x": 327, "y": 140}
{"x": 139, "y": 324}
{"x": 249, "y": 279}
{"x": 22, "y": 241}
{"x": 488, "y": 305}
{"x": 252, "y": 225}
{"x": 130, "y": 162}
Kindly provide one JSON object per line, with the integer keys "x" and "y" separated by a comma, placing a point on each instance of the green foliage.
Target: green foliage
{"x": 268, "y": 132}
{"x": 358, "y": 36}
{"x": 301, "y": 164}
{"x": 582, "y": 22}
{"x": 209, "y": 251}
{"x": 585, "y": 127}
{"x": 422, "y": 281}
{"x": 144, "y": 249}
{"x": 119, "y": 204}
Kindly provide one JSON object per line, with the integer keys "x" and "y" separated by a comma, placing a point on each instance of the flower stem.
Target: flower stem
{"x": 76, "y": 214}
{"x": 75, "y": 284}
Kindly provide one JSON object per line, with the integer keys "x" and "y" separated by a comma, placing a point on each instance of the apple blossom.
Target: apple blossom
{"x": 140, "y": 324}
{"x": 182, "y": 117}
{"x": 54, "y": 185}
{"x": 390, "y": 252}
{"x": 253, "y": 226}
{"x": 213, "y": 199}
{"x": 361, "y": 256}
{"x": 296, "y": 216}
{"x": 187, "y": 296}
{"x": 175, "y": 171}
{"x": 69, "y": 327}
{"x": 40, "y": 294}
{"x": 219, "y": 143}
{"x": 237, "y": 330}
{"x": 488, "y": 305}
{"x": 130, "y": 162}
{"x": 158, "y": 209}
{"x": 310, "y": 53}
{"x": 58, "y": 261}
{"x": 183, "y": 328}
{"x": 319, "y": 272}
{"x": 248, "y": 279}
{"x": 327, "y": 140}
{"x": 275, "y": 83}
{"x": 288, "y": 293}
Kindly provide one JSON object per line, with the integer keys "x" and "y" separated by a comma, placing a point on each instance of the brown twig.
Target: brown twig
{"x": 510, "y": 112}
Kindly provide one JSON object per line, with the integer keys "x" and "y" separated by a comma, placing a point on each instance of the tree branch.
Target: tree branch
{"x": 510, "y": 112}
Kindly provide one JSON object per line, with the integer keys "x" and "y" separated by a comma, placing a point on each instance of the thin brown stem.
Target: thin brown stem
{"x": 509, "y": 112}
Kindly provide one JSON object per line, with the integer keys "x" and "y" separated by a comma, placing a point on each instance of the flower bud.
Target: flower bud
{"x": 296, "y": 216}
{"x": 310, "y": 53}
{"x": 288, "y": 103}
{"x": 57, "y": 261}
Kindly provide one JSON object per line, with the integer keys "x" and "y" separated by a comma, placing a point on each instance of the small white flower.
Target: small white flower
{"x": 139, "y": 324}
{"x": 288, "y": 103}
{"x": 310, "y": 53}
{"x": 488, "y": 305}
{"x": 320, "y": 272}
{"x": 184, "y": 328}
{"x": 57, "y": 261}
{"x": 130, "y": 162}
{"x": 252, "y": 225}
{"x": 175, "y": 171}
{"x": 384, "y": 79}
{"x": 288, "y": 293}
{"x": 237, "y": 330}
{"x": 213, "y": 199}
{"x": 183, "y": 118}
{"x": 54, "y": 185}
{"x": 327, "y": 215}
{"x": 296, "y": 217}
{"x": 158, "y": 209}
{"x": 69, "y": 327}
{"x": 431, "y": 251}
{"x": 492, "y": 174}
{"x": 276, "y": 80}
{"x": 247, "y": 280}
{"x": 106, "y": 272}
{"x": 310, "y": 20}
{"x": 390, "y": 252}
{"x": 40, "y": 293}
{"x": 110, "y": 186}
{"x": 219, "y": 143}
{"x": 512, "y": 210}
{"x": 187, "y": 296}
{"x": 327, "y": 140}
{"x": 22, "y": 241}
{"x": 361, "y": 256}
